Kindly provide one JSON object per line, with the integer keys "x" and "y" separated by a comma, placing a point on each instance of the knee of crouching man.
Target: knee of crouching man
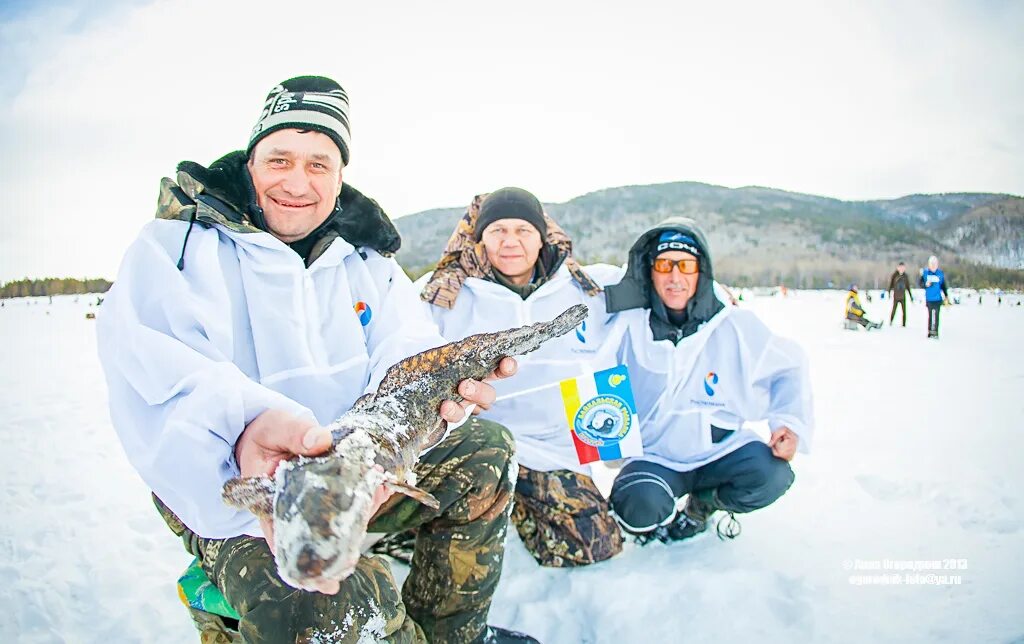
{"x": 777, "y": 479}
{"x": 783, "y": 478}
{"x": 642, "y": 506}
{"x": 780, "y": 478}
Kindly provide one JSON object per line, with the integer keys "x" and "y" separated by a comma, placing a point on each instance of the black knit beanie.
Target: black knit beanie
{"x": 511, "y": 203}
{"x": 306, "y": 103}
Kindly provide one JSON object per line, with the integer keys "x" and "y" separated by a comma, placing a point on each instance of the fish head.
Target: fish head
{"x": 321, "y": 512}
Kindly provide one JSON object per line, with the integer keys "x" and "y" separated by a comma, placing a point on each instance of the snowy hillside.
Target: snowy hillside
{"x": 917, "y": 458}
{"x": 992, "y": 233}
{"x": 764, "y": 236}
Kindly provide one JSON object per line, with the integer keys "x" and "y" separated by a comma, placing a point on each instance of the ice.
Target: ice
{"x": 917, "y": 457}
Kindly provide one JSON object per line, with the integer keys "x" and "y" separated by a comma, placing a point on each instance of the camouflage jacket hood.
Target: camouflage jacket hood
{"x": 223, "y": 194}
{"x": 635, "y": 291}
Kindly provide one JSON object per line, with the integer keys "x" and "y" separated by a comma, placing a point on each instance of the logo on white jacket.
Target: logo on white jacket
{"x": 602, "y": 420}
{"x": 363, "y": 312}
{"x": 710, "y": 379}
{"x": 580, "y": 330}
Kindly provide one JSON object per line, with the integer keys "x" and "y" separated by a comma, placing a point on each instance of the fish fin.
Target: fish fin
{"x": 424, "y": 497}
{"x": 253, "y": 493}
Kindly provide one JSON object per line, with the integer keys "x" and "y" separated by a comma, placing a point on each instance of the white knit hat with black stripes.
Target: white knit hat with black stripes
{"x": 306, "y": 103}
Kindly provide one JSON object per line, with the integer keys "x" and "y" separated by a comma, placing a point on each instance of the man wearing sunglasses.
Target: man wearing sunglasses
{"x": 702, "y": 373}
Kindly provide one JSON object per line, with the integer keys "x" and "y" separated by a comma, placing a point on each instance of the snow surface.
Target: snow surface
{"x": 917, "y": 457}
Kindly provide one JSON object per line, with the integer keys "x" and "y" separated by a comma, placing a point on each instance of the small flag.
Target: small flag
{"x": 602, "y": 416}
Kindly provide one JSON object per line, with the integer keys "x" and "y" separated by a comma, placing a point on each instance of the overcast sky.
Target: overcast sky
{"x": 855, "y": 100}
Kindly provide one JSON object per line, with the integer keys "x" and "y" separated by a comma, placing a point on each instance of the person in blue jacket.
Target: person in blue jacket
{"x": 933, "y": 281}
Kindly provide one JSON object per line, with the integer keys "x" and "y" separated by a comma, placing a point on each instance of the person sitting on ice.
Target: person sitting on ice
{"x": 855, "y": 311}
{"x": 508, "y": 263}
{"x": 701, "y": 371}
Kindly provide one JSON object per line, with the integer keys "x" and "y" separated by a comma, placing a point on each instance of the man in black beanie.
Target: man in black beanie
{"x": 513, "y": 231}
{"x": 511, "y": 203}
{"x": 508, "y": 261}
{"x": 279, "y": 305}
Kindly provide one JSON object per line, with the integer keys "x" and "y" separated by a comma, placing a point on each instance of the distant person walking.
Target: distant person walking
{"x": 899, "y": 286}
{"x": 933, "y": 281}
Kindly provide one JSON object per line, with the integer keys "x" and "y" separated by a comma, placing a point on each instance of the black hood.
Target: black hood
{"x": 358, "y": 219}
{"x": 636, "y": 291}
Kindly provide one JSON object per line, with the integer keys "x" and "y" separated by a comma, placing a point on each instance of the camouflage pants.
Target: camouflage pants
{"x": 563, "y": 519}
{"x": 455, "y": 567}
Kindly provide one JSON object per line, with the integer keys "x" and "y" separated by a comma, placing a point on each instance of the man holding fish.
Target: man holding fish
{"x": 257, "y": 307}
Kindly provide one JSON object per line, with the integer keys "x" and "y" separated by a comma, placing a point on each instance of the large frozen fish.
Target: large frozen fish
{"x": 321, "y": 506}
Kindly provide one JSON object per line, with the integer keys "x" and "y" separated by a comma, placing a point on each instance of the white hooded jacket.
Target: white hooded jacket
{"x": 733, "y": 371}
{"x": 530, "y": 404}
{"x": 191, "y": 357}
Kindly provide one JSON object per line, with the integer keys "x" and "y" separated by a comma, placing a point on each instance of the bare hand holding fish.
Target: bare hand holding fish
{"x": 275, "y": 435}
{"x": 319, "y": 505}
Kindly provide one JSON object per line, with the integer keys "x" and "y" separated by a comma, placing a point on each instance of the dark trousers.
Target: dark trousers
{"x": 859, "y": 319}
{"x": 902, "y": 303}
{"x": 644, "y": 494}
{"x": 933, "y": 317}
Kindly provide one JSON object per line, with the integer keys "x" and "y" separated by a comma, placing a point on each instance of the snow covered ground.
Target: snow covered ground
{"x": 917, "y": 458}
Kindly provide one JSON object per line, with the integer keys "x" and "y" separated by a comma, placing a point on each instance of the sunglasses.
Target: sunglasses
{"x": 664, "y": 265}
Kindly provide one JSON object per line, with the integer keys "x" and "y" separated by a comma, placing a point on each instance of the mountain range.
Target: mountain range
{"x": 765, "y": 236}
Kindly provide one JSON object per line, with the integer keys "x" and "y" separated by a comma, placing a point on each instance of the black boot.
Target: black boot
{"x": 696, "y": 515}
{"x": 658, "y": 534}
{"x": 693, "y": 520}
{"x": 498, "y": 635}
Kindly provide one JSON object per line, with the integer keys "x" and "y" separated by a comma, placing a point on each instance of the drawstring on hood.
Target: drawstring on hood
{"x": 191, "y": 222}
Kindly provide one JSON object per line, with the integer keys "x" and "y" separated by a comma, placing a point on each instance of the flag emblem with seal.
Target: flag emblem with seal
{"x": 602, "y": 416}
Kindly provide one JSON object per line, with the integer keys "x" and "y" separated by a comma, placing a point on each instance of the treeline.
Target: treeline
{"x": 812, "y": 275}
{"x": 979, "y": 276}
{"x": 53, "y": 286}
